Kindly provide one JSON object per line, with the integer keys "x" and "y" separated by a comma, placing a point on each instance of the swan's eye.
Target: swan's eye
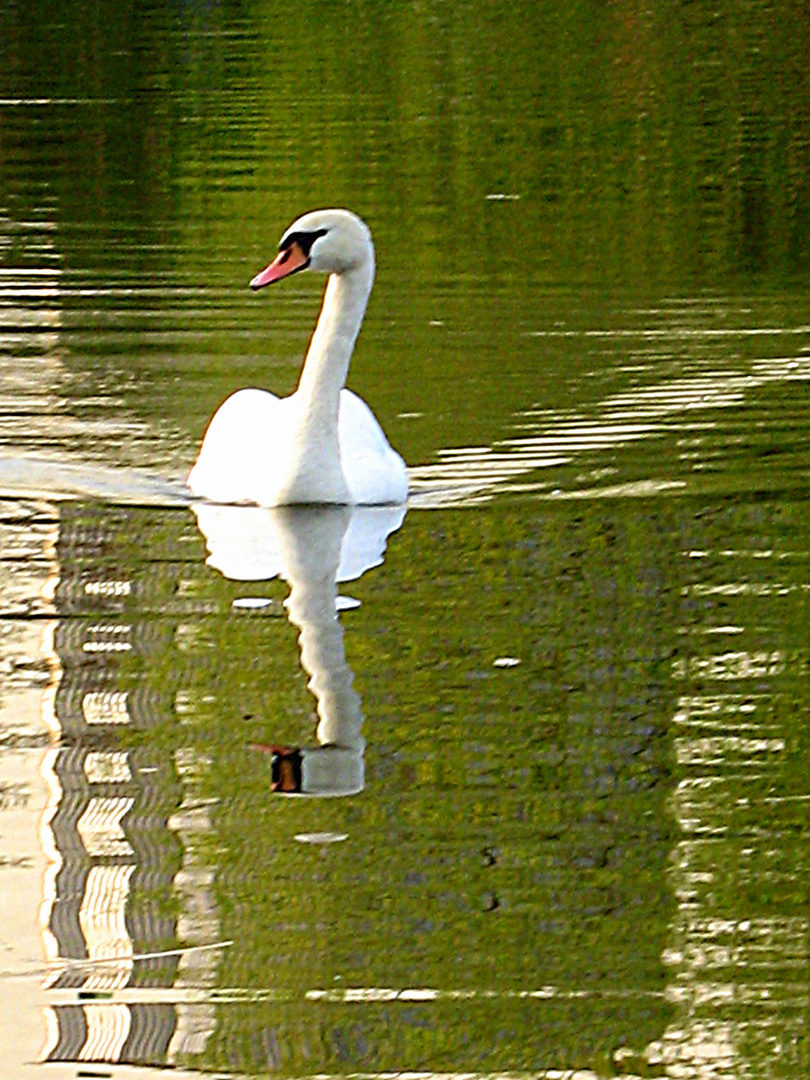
{"x": 304, "y": 240}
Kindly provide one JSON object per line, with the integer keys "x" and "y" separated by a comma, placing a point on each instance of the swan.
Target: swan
{"x": 322, "y": 444}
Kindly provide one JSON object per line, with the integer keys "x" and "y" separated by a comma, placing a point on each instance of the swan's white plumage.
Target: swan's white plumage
{"x": 248, "y": 451}
{"x": 322, "y": 444}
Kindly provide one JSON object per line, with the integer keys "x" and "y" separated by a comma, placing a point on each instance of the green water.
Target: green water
{"x": 581, "y": 838}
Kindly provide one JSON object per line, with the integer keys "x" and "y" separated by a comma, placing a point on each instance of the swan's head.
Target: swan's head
{"x": 332, "y": 241}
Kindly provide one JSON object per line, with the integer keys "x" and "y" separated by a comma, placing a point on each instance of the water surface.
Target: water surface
{"x": 535, "y": 801}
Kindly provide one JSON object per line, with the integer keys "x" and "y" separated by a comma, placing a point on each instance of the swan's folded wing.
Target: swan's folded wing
{"x": 239, "y": 458}
{"x": 374, "y": 472}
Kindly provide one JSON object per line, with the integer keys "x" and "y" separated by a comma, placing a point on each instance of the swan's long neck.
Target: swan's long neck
{"x": 315, "y": 473}
{"x": 327, "y": 361}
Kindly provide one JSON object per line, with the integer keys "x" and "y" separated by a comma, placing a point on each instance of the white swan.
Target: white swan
{"x": 322, "y": 444}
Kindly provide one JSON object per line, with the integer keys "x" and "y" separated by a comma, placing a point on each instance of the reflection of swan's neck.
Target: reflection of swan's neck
{"x": 327, "y": 362}
{"x": 339, "y": 710}
{"x": 311, "y": 606}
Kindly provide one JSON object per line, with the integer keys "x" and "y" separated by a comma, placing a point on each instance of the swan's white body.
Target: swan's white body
{"x": 322, "y": 444}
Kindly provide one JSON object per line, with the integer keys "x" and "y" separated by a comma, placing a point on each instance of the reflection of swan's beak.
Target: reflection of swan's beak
{"x": 285, "y": 263}
{"x": 285, "y": 766}
{"x": 315, "y": 770}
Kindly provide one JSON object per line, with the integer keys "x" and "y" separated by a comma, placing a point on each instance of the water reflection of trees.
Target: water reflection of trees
{"x": 506, "y": 815}
{"x": 638, "y": 144}
{"x": 617, "y": 818}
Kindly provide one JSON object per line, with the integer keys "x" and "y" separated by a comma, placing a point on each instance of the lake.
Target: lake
{"x": 534, "y": 802}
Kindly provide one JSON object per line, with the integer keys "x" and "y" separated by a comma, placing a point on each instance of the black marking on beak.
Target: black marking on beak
{"x": 305, "y": 240}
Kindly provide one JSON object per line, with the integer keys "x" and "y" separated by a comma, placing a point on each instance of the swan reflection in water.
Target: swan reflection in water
{"x": 312, "y": 548}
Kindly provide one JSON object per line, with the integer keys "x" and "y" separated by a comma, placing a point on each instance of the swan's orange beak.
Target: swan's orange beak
{"x": 286, "y": 262}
